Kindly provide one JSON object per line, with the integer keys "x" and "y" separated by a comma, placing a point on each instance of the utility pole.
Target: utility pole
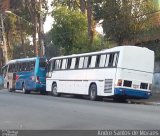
{"x": 5, "y": 51}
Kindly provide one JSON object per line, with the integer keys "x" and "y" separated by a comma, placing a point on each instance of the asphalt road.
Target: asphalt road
{"x": 38, "y": 112}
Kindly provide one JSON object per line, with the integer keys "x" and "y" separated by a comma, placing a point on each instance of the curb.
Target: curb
{"x": 145, "y": 103}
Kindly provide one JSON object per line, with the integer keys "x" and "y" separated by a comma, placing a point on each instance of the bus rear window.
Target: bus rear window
{"x": 144, "y": 86}
{"x": 127, "y": 83}
{"x": 42, "y": 63}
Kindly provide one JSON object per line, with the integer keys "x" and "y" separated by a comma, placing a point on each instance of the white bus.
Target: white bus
{"x": 120, "y": 72}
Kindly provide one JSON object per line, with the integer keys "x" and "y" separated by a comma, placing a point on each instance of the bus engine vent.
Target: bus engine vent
{"x": 108, "y": 86}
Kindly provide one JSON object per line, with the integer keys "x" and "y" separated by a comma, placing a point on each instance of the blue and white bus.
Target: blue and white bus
{"x": 26, "y": 75}
{"x": 120, "y": 72}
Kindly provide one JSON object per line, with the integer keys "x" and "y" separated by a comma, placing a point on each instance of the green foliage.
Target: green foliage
{"x": 123, "y": 20}
{"x": 20, "y": 24}
{"x": 69, "y": 30}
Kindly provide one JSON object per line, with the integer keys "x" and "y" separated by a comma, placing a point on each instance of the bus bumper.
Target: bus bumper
{"x": 40, "y": 87}
{"x": 131, "y": 93}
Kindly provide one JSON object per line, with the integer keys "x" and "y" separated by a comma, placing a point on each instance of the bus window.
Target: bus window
{"x": 10, "y": 68}
{"x": 93, "y": 62}
{"x": 69, "y": 60}
{"x": 64, "y": 62}
{"x": 102, "y": 60}
{"x": 97, "y": 61}
{"x": 111, "y": 58}
{"x": 42, "y": 63}
{"x": 85, "y": 62}
{"x": 27, "y": 66}
{"x": 23, "y": 66}
{"x": 77, "y": 63}
{"x": 81, "y": 61}
{"x": 115, "y": 61}
{"x": 107, "y": 60}
{"x": 73, "y": 63}
{"x": 89, "y": 62}
{"x": 32, "y": 65}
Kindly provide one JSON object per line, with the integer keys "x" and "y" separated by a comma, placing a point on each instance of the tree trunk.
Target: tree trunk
{"x": 83, "y": 6}
{"x": 34, "y": 37}
{"x": 22, "y": 40}
{"x": 89, "y": 17}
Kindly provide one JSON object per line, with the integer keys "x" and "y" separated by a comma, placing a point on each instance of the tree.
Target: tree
{"x": 122, "y": 19}
{"x": 83, "y": 6}
{"x": 69, "y": 30}
{"x": 24, "y": 22}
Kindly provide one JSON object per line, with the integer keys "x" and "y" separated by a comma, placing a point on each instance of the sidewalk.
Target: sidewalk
{"x": 153, "y": 100}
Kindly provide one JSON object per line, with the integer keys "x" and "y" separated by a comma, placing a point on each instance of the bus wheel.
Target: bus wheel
{"x": 25, "y": 91}
{"x": 54, "y": 91}
{"x": 93, "y": 92}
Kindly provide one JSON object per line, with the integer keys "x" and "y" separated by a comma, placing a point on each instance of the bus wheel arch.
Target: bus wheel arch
{"x": 93, "y": 91}
{"x": 54, "y": 90}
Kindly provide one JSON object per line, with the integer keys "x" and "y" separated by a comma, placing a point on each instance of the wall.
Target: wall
{"x": 156, "y": 81}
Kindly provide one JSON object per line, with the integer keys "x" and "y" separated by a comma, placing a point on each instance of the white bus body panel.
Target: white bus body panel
{"x": 78, "y": 82}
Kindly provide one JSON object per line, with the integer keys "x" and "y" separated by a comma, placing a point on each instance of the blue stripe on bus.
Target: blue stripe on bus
{"x": 132, "y": 93}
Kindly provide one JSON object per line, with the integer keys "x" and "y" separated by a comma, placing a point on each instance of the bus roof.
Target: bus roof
{"x": 21, "y": 60}
{"x": 114, "y": 49}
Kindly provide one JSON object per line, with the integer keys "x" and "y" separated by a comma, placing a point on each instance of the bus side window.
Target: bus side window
{"x": 52, "y": 65}
{"x": 64, "y": 62}
{"x": 107, "y": 60}
{"x": 57, "y": 64}
{"x": 97, "y": 61}
{"x": 85, "y": 62}
{"x": 73, "y": 63}
{"x": 10, "y": 68}
{"x": 111, "y": 58}
{"x": 69, "y": 60}
{"x": 32, "y": 65}
{"x": 115, "y": 61}
{"x": 23, "y": 66}
{"x": 102, "y": 60}
{"x": 18, "y": 67}
{"x": 77, "y": 63}
{"x": 13, "y": 68}
{"x": 81, "y": 61}
{"x": 93, "y": 62}
{"x": 27, "y": 66}
{"x": 89, "y": 62}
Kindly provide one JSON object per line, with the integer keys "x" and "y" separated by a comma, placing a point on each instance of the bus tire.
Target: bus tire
{"x": 93, "y": 92}
{"x": 24, "y": 90}
{"x": 54, "y": 91}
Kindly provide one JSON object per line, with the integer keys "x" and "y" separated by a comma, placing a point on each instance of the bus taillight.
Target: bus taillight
{"x": 119, "y": 83}
{"x": 37, "y": 79}
{"x": 17, "y": 77}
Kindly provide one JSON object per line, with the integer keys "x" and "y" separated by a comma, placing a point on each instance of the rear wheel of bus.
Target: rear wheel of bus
{"x": 24, "y": 90}
{"x": 93, "y": 92}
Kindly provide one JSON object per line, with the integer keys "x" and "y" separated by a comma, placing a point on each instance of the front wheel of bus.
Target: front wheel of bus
{"x": 93, "y": 92}
{"x": 54, "y": 90}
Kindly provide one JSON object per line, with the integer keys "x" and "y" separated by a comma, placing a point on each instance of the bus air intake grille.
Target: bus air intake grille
{"x": 108, "y": 85}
